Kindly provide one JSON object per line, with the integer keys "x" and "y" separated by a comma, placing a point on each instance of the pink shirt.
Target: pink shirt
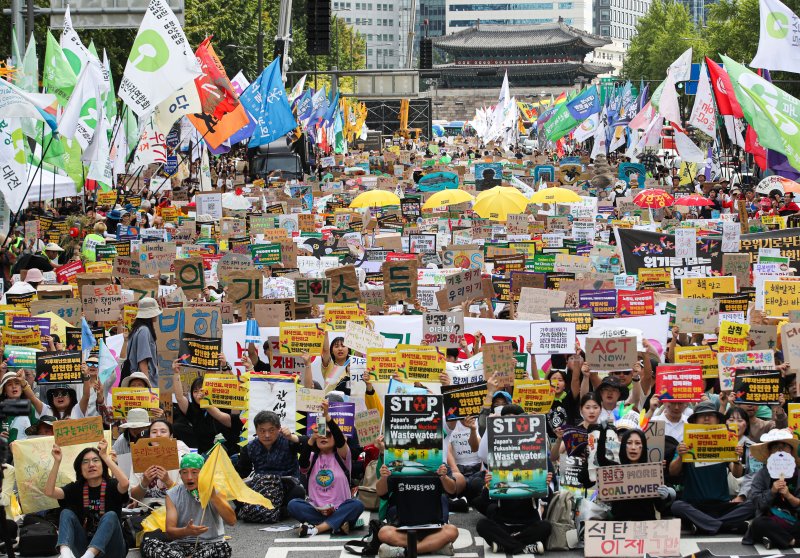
{"x": 327, "y": 483}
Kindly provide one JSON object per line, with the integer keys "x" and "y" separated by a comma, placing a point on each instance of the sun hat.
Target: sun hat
{"x": 7, "y": 377}
{"x": 136, "y": 376}
{"x": 33, "y": 430}
{"x": 137, "y": 418}
{"x": 628, "y": 422}
{"x": 53, "y": 247}
{"x": 34, "y": 275}
{"x": 761, "y": 451}
{"x": 51, "y": 393}
{"x": 148, "y": 308}
{"x": 705, "y": 408}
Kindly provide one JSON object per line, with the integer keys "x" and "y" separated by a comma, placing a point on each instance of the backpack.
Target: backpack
{"x": 37, "y": 537}
{"x": 561, "y": 515}
{"x": 369, "y": 544}
{"x": 367, "y": 492}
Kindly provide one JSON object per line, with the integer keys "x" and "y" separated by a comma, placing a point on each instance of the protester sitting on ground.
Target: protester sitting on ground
{"x": 136, "y": 423}
{"x": 89, "y": 524}
{"x": 204, "y": 423}
{"x": 326, "y": 461}
{"x": 192, "y": 531}
{"x": 705, "y": 504}
{"x": 737, "y": 416}
{"x": 271, "y": 461}
{"x": 153, "y": 483}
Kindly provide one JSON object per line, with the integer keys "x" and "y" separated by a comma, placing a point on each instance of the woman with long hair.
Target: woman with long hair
{"x": 156, "y": 480}
{"x": 205, "y": 422}
{"x": 89, "y": 524}
{"x": 142, "y": 352}
{"x": 334, "y": 356}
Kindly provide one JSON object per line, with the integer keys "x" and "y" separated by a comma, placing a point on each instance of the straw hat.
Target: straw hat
{"x": 761, "y": 451}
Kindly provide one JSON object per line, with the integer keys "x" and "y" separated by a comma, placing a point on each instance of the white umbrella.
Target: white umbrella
{"x": 230, "y": 200}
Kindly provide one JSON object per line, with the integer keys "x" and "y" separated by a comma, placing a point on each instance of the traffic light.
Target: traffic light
{"x": 425, "y": 54}
{"x": 318, "y": 27}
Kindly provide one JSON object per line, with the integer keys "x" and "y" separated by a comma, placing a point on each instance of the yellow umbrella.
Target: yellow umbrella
{"x": 375, "y": 198}
{"x": 498, "y": 202}
{"x": 555, "y": 195}
{"x": 447, "y": 197}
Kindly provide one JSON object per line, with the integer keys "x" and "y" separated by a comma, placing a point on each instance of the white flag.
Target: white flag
{"x": 778, "y": 39}
{"x": 76, "y": 53}
{"x": 101, "y": 167}
{"x": 668, "y": 106}
{"x": 587, "y": 128}
{"x": 734, "y": 127}
{"x": 681, "y": 69}
{"x": 161, "y": 61}
{"x": 688, "y": 151}
{"x": 152, "y": 147}
{"x": 505, "y": 93}
{"x": 119, "y": 150}
{"x": 186, "y": 100}
{"x": 205, "y": 171}
{"x": 13, "y": 168}
{"x": 600, "y": 147}
{"x": 79, "y": 119}
{"x": 703, "y": 116}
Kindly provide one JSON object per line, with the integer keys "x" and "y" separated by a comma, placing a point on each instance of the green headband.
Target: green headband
{"x": 192, "y": 461}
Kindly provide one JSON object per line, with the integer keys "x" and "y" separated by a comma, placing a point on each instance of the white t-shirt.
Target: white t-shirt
{"x": 458, "y": 438}
{"x": 674, "y": 429}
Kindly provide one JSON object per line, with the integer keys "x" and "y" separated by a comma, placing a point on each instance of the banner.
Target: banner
{"x": 710, "y": 443}
{"x": 517, "y": 456}
{"x": 224, "y": 391}
{"x": 414, "y": 434}
{"x": 632, "y": 539}
{"x": 274, "y": 393}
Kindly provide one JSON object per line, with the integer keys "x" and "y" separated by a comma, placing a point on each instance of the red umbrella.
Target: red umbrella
{"x": 653, "y": 198}
{"x": 693, "y": 200}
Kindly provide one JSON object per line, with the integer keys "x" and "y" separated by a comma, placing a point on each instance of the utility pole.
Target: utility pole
{"x": 284, "y": 36}
{"x": 30, "y": 12}
{"x": 18, "y": 25}
{"x": 259, "y": 38}
{"x": 412, "y": 22}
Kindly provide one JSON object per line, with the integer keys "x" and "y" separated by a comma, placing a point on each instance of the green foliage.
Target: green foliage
{"x": 662, "y": 35}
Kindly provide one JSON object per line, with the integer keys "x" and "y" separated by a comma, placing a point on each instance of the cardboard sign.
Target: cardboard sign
{"x": 757, "y": 387}
{"x": 189, "y": 276}
{"x": 499, "y": 357}
{"x": 710, "y": 443}
{"x": 78, "y": 431}
{"x": 298, "y": 338}
{"x": 147, "y": 452}
{"x": 697, "y": 315}
{"x": 679, "y": 383}
{"x": 141, "y": 287}
{"x": 368, "y": 426}
{"x": 361, "y": 339}
{"x": 224, "y": 391}
{"x": 737, "y": 265}
{"x": 270, "y": 313}
{"x": 312, "y": 291}
{"x": 399, "y": 281}
{"x": 464, "y": 400}
{"x": 102, "y": 303}
{"x": 68, "y": 310}
{"x": 518, "y": 456}
{"x": 413, "y": 429}
{"x": 632, "y": 539}
{"x": 790, "y": 341}
{"x": 381, "y": 364}
{"x": 629, "y": 482}
{"x": 200, "y": 352}
{"x": 309, "y": 400}
{"x": 243, "y": 286}
{"x": 700, "y": 355}
{"x": 763, "y": 337}
{"x": 467, "y": 285}
{"x": 535, "y": 303}
{"x": 618, "y": 353}
{"x": 730, "y": 362}
{"x": 420, "y": 365}
{"x": 155, "y": 258}
{"x": 552, "y": 338}
{"x": 63, "y": 367}
{"x": 443, "y": 329}
{"x": 534, "y": 396}
{"x": 125, "y": 399}
{"x": 344, "y": 284}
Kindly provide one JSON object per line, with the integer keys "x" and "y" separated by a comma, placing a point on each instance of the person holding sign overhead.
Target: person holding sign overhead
{"x": 775, "y": 491}
{"x": 91, "y": 507}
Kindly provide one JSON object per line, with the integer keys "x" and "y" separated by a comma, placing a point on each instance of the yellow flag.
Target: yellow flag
{"x": 218, "y": 472}
{"x": 156, "y": 520}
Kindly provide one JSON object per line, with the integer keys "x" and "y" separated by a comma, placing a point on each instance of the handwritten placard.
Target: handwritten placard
{"x": 147, "y": 452}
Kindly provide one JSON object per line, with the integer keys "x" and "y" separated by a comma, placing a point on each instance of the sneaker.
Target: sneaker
{"x": 389, "y": 551}
{"x": 447, "y": 550}
{"x": 766, "y": 542}
{"x": 306, "y": 530}
{"x": 345, "y": 528}
{"x": 495, "y": 547}
{"x": 535, "y": 548}
{"x": 458, "y": 505}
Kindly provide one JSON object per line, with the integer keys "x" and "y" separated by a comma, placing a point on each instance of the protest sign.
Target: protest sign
{"x": 790, "y": 341}
{"x": 309, "y": 400}
{"x": 763, "y": 337}
{"x": 603, "y": 302}
{"x": 732, "y": 337}
{"x": 19, "y": 357}
{"x": 730, "y": 362}
{"x": 517, "y": 456}
{"x": 461, "y": 287}
{"x": 710, "y": 442}
{"x": 368, "y": 426}
{"x": 361, "y": 339}
{"x": 224, "y": 391}
{"x": 125, "y": 399}
{"x": 701, "y": 355}
{"x": 499, "y": 358}
{"x": 200, "y": 352}
{"x": 538, "y": 302}
{"x": 298, "y": 338}
{"x": 629, "y": 482}
{"x": 464, "y": 400}
{"x": 78, "y": 431}
{"x": 781, "y": 297}
{"x": 343, "y": 414}
{"x": 635, "y": 303}
{"x": 141, "y": 287}
{"x": 344, "y": 284}
{"x": 312, "y": 291}
{"x": 581, "y": 317}
{"x": 270, "y": 313}
{"x": 155, "y": 258}
{"x": 632, "y": 539}
{"x": 21, "y": 300}
{"x": 676, "y": 382}
{"x": 276, "y": 393}
{"x": 757, "y": 387}
{"x": 658, "y": 278}
{"x": 697, "y": 315}
{"x": 149, "y": 452}
{"x": 413, "y": 434}
{"x": 443, "y": 329}
{"x": 381, "y": 364}
{"x": 617, "y": 353}
{"x": 552, "y": 338}
{"x": 420, "y": 365}
{"x": 101, "y": 303}
{"x": 189, "y": 276}
{"x": 29, "y": 337}
{"x": 68, "y": 309}
{"x": 737, "y": 265}
{"x": 67, "y": 272}
{"x": 534, "y": 396}
{"x": 705, "y": 287}
{"x": 59, "y": 367}
{"x": 399, "y": 281}
{"x": 338, "y": 315}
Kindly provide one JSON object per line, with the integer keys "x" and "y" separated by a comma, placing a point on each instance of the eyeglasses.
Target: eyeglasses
{"x": 93, "y": 364}
{"x": 60, "y": 393}
{"x": 623, "y": 373}
{"x": 91, "y": 461}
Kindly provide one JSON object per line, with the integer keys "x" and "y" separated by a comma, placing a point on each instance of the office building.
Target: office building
{"x": 463, "y": 14}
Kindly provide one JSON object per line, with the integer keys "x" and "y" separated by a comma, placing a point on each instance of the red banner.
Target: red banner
{"x": 635, "y": 303}
{"x": 677, "y": 382}
{"x": 67, "y": 272}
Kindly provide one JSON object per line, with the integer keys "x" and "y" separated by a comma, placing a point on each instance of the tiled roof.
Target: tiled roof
{"x": 506, "y": 37}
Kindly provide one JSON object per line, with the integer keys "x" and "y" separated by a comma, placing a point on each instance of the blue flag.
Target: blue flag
{"x": 88, "y": 342}
{"x": 266, "y": 101}
{"x": 584, "y": 105}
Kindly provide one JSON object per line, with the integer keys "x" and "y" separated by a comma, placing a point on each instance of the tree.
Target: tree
{"x": 662, "y": 35}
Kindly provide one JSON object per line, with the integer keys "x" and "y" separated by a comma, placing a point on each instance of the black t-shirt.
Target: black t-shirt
{"x": 562, "y": 413}
{"x": 73, "y": 499}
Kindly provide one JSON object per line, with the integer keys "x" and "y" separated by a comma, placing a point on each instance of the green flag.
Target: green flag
{"x": 57, "y": 75}
{"x": 110, "y": 97}
{"x": 29, "y": 80}
{"x": 559, "y": 124}
{"x": 773, "y": 113}
{"x": 16, "y": 59}
{"x": 72, "y": 162}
